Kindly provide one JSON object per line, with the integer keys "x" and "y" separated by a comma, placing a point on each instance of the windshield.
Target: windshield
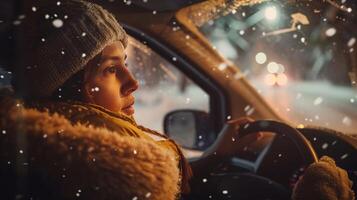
{"x": 300, "y": 56}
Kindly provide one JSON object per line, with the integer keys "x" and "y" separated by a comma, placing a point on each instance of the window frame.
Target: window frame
{"x": 218, "y": 100}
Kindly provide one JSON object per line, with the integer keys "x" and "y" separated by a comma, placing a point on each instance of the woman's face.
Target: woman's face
{"x": 111, "y": 84}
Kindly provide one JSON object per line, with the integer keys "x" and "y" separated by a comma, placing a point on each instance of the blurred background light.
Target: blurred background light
{"x": 273, "y": 67}
{"x": 281, "y": 79}
{"x": 270, "y": 79}
{"x": 270, "y": 13}
{"x": 260, "y": 58}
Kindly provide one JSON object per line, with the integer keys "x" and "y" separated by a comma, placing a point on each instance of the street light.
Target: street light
{"x": 260, "y": 58}
{"x": 270, "y": 13}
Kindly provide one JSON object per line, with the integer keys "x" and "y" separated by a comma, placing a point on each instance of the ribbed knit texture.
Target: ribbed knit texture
{"x": 57, "y": 53}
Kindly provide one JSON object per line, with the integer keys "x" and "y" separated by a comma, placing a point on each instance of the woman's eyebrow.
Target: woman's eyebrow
{"x": 114, "y": 58}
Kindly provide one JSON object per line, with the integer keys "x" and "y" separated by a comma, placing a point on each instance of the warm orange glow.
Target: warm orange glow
{"x": 281, "y": 79}
{"x": 270, "y": 79}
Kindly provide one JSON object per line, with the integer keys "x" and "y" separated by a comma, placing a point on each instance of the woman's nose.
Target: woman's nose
{"x": 130, "y": 84}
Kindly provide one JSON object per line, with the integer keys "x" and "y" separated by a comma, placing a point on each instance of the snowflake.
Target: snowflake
{"x": 58, "y": 23}
{"x": 324, "y": 146}
{"x": 330, "y": 32}
{"x": 344, "y": 156}
{"x": 351, "y": 42}
{"x": 222, "y": 66}
{"x": 318, "y": 101}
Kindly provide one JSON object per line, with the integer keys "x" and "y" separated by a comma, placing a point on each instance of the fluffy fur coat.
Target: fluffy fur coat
{"x": 46, "y": 157}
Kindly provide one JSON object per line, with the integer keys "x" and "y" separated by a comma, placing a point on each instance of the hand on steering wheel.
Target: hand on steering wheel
{"x": 231, "y": 143}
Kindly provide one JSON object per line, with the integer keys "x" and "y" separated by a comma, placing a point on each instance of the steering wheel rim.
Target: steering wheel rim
{"x": 304, "y": 147}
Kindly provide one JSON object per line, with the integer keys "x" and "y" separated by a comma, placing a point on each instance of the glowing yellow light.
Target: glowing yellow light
{"x": 281, "y": 79}
{"x": 270, "y": 79}
{"x": 300, "y": 126}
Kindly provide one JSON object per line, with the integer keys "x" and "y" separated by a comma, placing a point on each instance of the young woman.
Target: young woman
{"x": 69, "y": 133}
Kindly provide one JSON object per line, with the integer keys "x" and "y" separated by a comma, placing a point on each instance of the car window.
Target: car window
{"x": 301, "y": 57}
{"x": 162, "y": 87}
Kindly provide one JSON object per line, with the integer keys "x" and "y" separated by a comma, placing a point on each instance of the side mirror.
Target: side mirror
{"x": 191, "y": 129}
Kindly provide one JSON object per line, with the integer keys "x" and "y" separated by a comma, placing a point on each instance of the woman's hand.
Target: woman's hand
{"x": 324, "y": 181}
{"x": 247, "y": 143}
{"x": 228, "y": 144}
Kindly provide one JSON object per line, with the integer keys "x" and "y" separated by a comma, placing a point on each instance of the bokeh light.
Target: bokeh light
{"x": 260, "y": 58}
{"x": 270, "y": 13}
{"x": 273, "y": 67}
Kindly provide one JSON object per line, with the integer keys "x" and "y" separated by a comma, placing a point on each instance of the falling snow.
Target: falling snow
{"x": 351, "y": 42}
{"x": 347, "y": 121}
{"x": 330, "y": 32}
{"x": 318, "y": 101}
{"x": 222, "y": 66}
{"x": 58, "y": 23}
{"x": 344, "y": 156}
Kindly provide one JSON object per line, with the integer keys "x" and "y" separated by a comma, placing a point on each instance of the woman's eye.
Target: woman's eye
{"x": 112, "y": 69}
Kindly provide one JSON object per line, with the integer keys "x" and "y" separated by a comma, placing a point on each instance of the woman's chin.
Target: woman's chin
{"x": 129, "y": 110}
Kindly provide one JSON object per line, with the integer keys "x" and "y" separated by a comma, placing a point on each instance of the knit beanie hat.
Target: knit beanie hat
{"x": 56, "y": 39}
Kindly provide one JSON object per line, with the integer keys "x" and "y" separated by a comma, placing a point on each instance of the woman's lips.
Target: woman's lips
{"x": 129, "y": 110}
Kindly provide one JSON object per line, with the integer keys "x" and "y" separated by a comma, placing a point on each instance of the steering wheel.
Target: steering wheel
{"x": 220, "y": 151}
{"x": 304, "y": 147}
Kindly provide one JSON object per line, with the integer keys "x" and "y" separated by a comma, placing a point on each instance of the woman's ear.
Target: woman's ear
{"x": 87, "y": 94}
